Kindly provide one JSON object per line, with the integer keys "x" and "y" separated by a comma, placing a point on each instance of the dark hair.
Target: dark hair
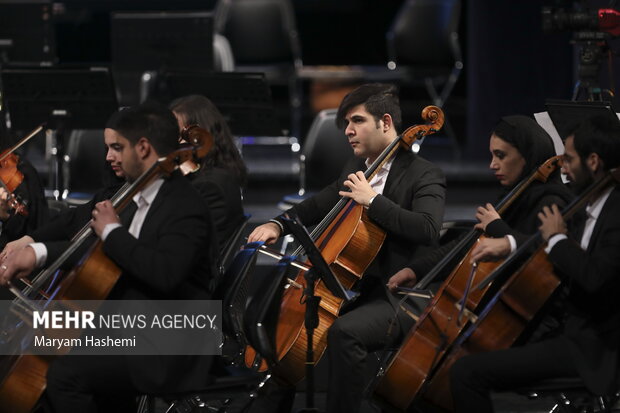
{"x": 150, "y": 120}
{"x": 531, "y": 140}
{"x": 377, "y": 98}
{"x": 601, "y": 135}
{"x": 197, "y": 109}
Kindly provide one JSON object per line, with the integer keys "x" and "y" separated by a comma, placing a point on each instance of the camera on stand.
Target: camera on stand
{"x": 591, "y": 31}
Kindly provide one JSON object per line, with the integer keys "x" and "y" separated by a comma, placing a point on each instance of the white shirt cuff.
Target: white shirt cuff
{"x": 40, "y": 253}
{"x": 109, "y": 228}
{"x": 513, "y": 243}
{"x": 554, "y": 240}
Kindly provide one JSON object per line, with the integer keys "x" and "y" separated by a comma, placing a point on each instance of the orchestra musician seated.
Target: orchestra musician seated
{"x": 405, "y": 198}
{"x": 518, "y": 146}
{"x": 222, "y": 173}
{"x": 586, "y": 256}
{"x": 165, "y": 251}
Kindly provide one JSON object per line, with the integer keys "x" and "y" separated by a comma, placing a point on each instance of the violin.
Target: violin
{"x": 189, "y": 133}
{"x": 11, "y": 177}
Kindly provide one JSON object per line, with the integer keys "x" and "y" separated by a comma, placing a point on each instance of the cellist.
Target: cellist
{"x": 518, "y": 145}
{"x": 406, "y": 199}
{"x": 163, "y": 252}
{"x": 587, "y": 258}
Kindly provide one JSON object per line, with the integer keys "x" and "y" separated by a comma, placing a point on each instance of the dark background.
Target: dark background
{"x": 510, "y": 65}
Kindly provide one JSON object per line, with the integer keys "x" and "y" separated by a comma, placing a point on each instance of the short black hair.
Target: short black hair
{"x": 601, "y": 135}
{"x": 151, "y": 120}
{"x": 377, "y": 98}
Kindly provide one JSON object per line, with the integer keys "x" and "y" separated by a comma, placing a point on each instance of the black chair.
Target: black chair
{"x": 234, "y": 293}
{"x": 231, "y": 246}
{"x": 262, "y": 313}
{"x": 325, "y": 151}
{"x": 85, "y": 164}
{"x": 263, "y": 38}
{"x": 423, "y": 48}
{"x": 237, "y": 392}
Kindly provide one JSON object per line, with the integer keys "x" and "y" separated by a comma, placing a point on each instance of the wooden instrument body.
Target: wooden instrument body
{"x": 24, "y": 375}
{"x": 348, "y": 255}
{"x": 429, "y": 340}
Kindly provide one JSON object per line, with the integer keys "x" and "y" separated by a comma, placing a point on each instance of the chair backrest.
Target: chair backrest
{"x": 86, "y": 153}
{"x": 232, "y": 245}
{"x": 234, "y": 287}
{"x": 424, "y": 32}
{"x": 262, "y": 313}
{"x": 259, "y": 31}
{"x": 326, "y": 150}
{"x": 223, "y": 58}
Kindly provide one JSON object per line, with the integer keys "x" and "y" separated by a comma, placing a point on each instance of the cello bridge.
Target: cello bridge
{"x": 466, "y": 313}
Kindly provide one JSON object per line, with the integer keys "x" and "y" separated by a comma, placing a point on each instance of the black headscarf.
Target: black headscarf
{"x": 530, "y": 139}
{"x": 536, "y": 146}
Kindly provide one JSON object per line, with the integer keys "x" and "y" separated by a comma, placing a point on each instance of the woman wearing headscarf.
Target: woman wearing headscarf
{"x": 518, "y": 146}
{"x": 222, "y": 172}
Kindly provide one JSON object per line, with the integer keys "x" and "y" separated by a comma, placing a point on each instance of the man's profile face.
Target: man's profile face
{"x": 121, "y": 156}
{"x": 578, "y": 175}
{"x": 365, "y": 134}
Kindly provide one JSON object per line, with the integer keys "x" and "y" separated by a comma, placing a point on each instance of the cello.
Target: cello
{"x": 448, "y": 314}
{"x": 502, "y": 321}
{"x": 349, "y": 241}
{"x": 23, "y": 373}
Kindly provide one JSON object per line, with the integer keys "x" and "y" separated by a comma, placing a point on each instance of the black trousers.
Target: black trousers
{"x": 370, "y": 326}
{"x": 89, "y": 384}
{"x": 473, "y": 377}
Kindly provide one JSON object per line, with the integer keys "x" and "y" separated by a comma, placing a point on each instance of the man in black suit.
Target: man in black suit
{"x": 588, "y": 260}
{"x": 166, "y": 252}
{"x": 406, "y": 199}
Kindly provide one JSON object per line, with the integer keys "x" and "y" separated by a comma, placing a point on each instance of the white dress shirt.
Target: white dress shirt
{"x": 593, "y": 210}
{"x": 377, "y": 183}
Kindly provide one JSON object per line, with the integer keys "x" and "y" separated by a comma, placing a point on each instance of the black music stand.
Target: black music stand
{"x": 319, "y": 271}
{"x": 80, "y": 98}
{"x": 566, "y": 114}
{"x": 162, "y": 40}
{"x": 243, "y": 98}
{"x": 147, "y": 44}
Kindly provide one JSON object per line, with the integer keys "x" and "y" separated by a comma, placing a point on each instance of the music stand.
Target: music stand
{"x": 319, "y": 271}
{"x": 243, "y": 98}
{"x": 27, "y": 28}
{"x": 80, "y": 98}
{"x": 147, "y": 44}
{"x": 567, "y": 114}
{"x": 155, "y": 40}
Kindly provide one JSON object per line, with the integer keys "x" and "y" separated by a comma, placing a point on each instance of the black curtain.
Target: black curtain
{"x": 512, "y": 66}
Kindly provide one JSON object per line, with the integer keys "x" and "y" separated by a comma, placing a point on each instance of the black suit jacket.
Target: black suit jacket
{"x": 222, "y": 191}
{"x": 174, "y": 258}
{"x": 410, "y": 209}
{"x": 593, "y": 308}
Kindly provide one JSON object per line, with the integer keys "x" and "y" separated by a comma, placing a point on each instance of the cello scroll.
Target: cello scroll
{"x": 435, "y": 118}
